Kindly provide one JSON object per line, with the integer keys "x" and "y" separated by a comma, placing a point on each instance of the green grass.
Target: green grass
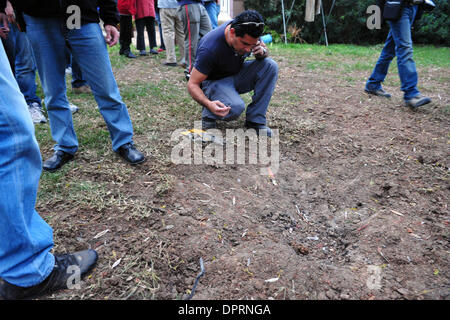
{"x": 352, "y": 57}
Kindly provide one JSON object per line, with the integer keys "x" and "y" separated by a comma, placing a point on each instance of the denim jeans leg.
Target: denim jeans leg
{"x": 213, "y": 10}
{"x": 89, "y": 49}
{"x": 77, "y": 77}
{"x": 224, "y": 91}
{"x": 49, "y": 47}
{"x": 25, "y": 65}
{"x": 401, "y": 32}
{"x": 25, "y": 238}
{"x": 380, "y": 71}
{"x": 261, "y": 77}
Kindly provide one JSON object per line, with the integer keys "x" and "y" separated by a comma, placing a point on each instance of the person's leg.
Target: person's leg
{"x": 8, "y": 45}
{"x": 25, "y": 238}
{"x": 168, "y": 30}
{"x": 27, "y": 267}
{"x": 196, "y": 26}
{"x": 151, "y": 33}
{"x": 205, "y": 23}
{"x": 88, "y": 47}
{"x": 179, "y": 35}
{"x": 77, "y": 77}
{"x": 401, "y": 32}
{"x": 49, "y": 47}
{"x": 126, "y": 29}
{"x": 140, "y": 38}
{"x": 161, "y": 37}
{"x": 25, "y": 67}
{"x": 190, "y": 15}
{"x": 261, "y": 77}
{"x": 213, "y": 11}
{"x": 225, "y": 91}
{"x": 381, "y": 68}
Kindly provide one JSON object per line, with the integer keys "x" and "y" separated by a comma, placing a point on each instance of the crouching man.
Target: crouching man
{"x": 221, "y": 73}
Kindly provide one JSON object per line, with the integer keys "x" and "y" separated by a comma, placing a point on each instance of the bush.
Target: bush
{"x": 347, "y": 22}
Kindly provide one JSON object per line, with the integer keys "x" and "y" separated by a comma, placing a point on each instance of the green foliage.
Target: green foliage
{"x": 347, "y": 22}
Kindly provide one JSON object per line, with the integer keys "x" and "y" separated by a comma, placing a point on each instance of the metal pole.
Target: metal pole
{"x": 324, "y": 24}
{"x": 284, "y": 22}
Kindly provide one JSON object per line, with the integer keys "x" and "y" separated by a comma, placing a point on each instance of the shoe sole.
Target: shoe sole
{"x": 56, "y": 169}
{"x": 418, "y": 105}
{"x": 132, "y": 163}
{"x": 377, "y": 95}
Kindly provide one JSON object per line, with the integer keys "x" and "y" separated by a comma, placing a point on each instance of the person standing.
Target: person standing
{"x": 172, "y": 28}
{"x": 145, "y": 20}
{"x": 49, "y": 33}
{"x": 398, "y": 43}
{"x": 196, "y": 24}
{"x": 28, "y": 269}
{"x": 127, "y": 8}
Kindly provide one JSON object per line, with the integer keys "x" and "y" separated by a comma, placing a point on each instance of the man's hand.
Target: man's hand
{"x": 218, "y": 108}
{"x": 112, "y": 35}
{"x": 3, "y": 25}
{"x": 260, "y": 50}
{"x": 10, "y": 12}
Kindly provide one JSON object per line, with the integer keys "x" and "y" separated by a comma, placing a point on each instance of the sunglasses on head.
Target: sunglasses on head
{"x": 250, "y": 23}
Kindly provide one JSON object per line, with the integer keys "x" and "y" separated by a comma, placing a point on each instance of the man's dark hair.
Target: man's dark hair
{"x": 248, "y": 22}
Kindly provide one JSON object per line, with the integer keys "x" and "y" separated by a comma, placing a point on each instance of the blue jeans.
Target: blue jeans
{"x": 25, "y": 66}
{"x": 88, "y": 47}
{"x": 258, "y": 75}
{"x": 398, "y": 43}
{"x": 25, "y": 238}
{"x": 77, "y": 76}
{"x": 213, "y": 10}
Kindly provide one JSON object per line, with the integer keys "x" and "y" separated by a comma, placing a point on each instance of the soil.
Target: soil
{"x": 358, "y": 208}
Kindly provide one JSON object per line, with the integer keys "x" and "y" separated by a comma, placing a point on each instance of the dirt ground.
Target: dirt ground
{"x": 358, "y": 208}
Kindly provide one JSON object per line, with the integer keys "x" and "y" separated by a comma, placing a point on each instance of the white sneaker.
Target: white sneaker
{"x": 36, "y": 113}
{"x": 73, "y": 108}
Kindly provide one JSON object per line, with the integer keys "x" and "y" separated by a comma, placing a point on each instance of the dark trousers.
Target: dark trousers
{"x": 141, "y": 24}
{"x": 126, "y": 33}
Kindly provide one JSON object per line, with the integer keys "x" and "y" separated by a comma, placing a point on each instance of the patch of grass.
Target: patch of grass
{"x": 352, "y": 57}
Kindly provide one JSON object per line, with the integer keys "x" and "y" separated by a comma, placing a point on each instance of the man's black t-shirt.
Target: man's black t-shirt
{"x": 215, "y": 58}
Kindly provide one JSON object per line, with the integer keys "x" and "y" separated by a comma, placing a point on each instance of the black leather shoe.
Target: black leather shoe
{"x": 68, "y": 270}
{"x": 260, "y": 128}
{"x": 379, "y": 93}
{"x": 131, "y": 155}
{"x": 58, "y": 159}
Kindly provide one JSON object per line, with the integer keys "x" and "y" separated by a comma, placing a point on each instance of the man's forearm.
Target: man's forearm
{"x": 197, "y": 94}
